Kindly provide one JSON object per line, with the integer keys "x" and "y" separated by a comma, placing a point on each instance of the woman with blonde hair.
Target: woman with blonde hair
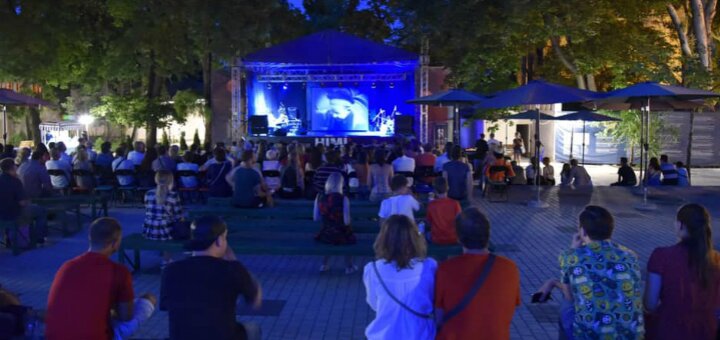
{"x": 22, "y": 156}
{"x": 164, "y": 214}
{"x": 81, "y": 162}
{"x": 399, "y": 284}
{"x": 333, "y": 209}
{"x": 292, "y": 178}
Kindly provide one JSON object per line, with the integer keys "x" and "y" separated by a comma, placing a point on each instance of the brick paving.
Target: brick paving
{"x": 332, "y": 305}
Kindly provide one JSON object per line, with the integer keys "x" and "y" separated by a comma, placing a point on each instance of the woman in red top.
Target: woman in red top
{"x": 681, "y": 294}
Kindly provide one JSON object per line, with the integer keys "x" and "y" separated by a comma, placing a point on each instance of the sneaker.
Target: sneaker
{"x": 324, "y": 268}
{"x": 351, "y": 270}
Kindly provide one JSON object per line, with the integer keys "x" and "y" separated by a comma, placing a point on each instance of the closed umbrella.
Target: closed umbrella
{"x": 537, "y": 92}
{"x": 454, "y": 98}
{"x": 584, "y": 116}
{"x": 9, "y": 97}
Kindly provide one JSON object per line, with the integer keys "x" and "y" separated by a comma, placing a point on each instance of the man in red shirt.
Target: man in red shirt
{"x": 490, "y": 309}
{"x": 426, "y": 159}
{"x": 441, "y": 214}
{"x": 88, "y": 287}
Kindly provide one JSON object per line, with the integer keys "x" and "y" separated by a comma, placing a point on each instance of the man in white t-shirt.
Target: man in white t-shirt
{"x": 492, "y": 142}
{"x": 401, "y": 203}
{"x": 123, "y": 163}
{"x": 136, "y": 156}
{"x": 405, "y": 163}
{"x": 188, "y": 165}
{"x": 57, "y": 163}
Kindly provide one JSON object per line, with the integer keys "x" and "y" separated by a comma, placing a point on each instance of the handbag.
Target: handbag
{"x": 430, "y": 315}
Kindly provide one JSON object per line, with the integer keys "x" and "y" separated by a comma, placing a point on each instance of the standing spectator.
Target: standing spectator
{"x": 163, "y": 161}
{"x": 481, "y": 152}
{"x": 458, "y": 175}
{"x": 188, "y": 165}
{"x": 82, "y": 162}
{"x": 548, "y": 172}
{"x": 579, "y": 176}
{"x": 441, "y": 214}
{"x": 15, "y": 204}
{"x": 565, "y": 178}
{"x": 322, "y": 173}
{"x": 34, "y": 175}
{"x": 600, "y": 273}
{"x": 138, "y": 154}
{"x": 399, "y": 284}
{"x": 292, "y": 177}
{"x": 58, "y": 163}
{"x": 518, "y": 146}
{"x": 217, "y": 186}
{"x": 490, "y": 308}
{"x": 493, "y": 143}
{"x": 531, "y": 171}
{"x": 653, "y": 173}
{"x": 123, "y": 163}
{"x": 87, "y": 288}
{"x": 401, "y": 202}
{"x": 626, "y": 174}
{"x": 333, "y": 209}
{"x": 63, "y": 152}
{"x": 200, "y": 293}
{"x": 163, "y": 211}
{"x": 669, "y": 173}
{"x": 444, "y": 158}
{"x": 683, "y": 282}
{"x": 683, "y": 179}
{"x": 105, "y": 158}
{"x": 249, "y": 190}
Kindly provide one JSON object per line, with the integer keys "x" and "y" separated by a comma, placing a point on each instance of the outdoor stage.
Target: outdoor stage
{"x": 330, "y": 88}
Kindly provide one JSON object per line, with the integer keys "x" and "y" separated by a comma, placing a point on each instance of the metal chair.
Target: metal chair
{"x": 497, "y": 188}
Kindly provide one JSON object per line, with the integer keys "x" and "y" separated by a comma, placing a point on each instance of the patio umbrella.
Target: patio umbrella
{"x": 584, "y": 116}
{"x": 10, "y": 97}
{"x": 454, "y": 98}
{"x": 537, "y": 92}
{"x": 647, "y": 97}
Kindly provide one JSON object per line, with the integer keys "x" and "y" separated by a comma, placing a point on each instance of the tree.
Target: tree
{"x": 165, "y": 139}
{"x": 196, "y": 139}
{"x": 183, "y": 143}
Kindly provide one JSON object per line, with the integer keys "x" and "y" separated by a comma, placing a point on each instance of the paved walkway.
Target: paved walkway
{"x": 308, "y": 305}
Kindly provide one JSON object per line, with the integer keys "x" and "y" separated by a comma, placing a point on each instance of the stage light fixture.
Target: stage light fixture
{"x": 269, "y": 86}
{"x": 339, "y": 84}
{"x": 392, "y": 85}
{"x": 373, "y": 85}
{"x": 285, "y": 86}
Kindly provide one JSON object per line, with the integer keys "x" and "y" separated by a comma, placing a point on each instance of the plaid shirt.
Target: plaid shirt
{"x": 163, "y": 215}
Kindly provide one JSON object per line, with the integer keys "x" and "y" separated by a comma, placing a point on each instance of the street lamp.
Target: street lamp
{"x": 86, "y": 120}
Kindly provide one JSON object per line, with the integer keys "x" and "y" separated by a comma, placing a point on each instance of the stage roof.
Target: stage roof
{"x": 330, "y": 48}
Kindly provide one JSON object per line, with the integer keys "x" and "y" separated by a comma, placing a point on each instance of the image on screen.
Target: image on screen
{"x": 338, "y": 109}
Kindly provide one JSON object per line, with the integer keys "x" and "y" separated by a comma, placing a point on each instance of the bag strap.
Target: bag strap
{"x": 219, "y": 174}
{"x": 382, "y": 283}
{"x": 473, "y": 291}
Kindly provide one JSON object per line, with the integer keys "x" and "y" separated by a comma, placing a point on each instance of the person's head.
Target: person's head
{"x": 332, "y": 157}
{"x": 209, "y": 235}
{"x": 399, "y": 241}
{"x": 105, "y": 235}
{"x": 7, "y": 166}
{"x": 106, "y": 147}
{"x": 440, "y": 185}
{"x": 492, "y": 136}
{"x": 150, "y": 156}
{"x": 81, "y": 155}
{"x": 518, "y": 134}
{"x": 546, "y": 161}
{"x": 664, "y": 158}
{"x": 164, "y": 180}
{"x": 51, "y": 145}
{"x": 654, "y": 163}
{"x": 565, "y": 167}
{"x": 623, "y": 161}
{"x": 380, "y": 157}
{"x": 219, "y": 154}
{"x": 189, "y": 156}
{"x": 161, "y": 150}
{"x": 573, "y": 162}
{"x": 482, "y": 136}
{"x": 139, "y": 146}
{"x": 679, "y": 164}
{"x": 174, "y": 150}
{"x": 498, "y": 155}
{"x": 61, "y": 146}
{"x": 82, "y": 141}
{"x": 448, "y": 147}
{"x": 456, "y": 152}
{"x": 55, "y": 154}
{"x": 334, "y": 183}
{"x": 361, "y": 156}
{"x": 533, "y": 161}
{"x": 693, "y": 226}
{"x": 473, "y": 229}
{"x": 120, "y": 151}
{"x": 248, "y": 158}
{"x": 271, "y": 155}
{"x": 399, "y": 184}
{"x": 513, "y": 163}
{"x": 23, "y": 155}
{"x": 428, "y": 148}
{"x": 596, "y": 223}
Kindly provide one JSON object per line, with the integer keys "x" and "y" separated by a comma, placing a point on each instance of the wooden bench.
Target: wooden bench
{"x": 278, "y": 246}
{"x": 95, "y": 201}
{"x": 236, "y": 226}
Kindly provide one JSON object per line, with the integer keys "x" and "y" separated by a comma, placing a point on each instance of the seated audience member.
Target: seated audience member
{"x": 598, "y": 272}
{"x": 84, "y": 143}
{"x": 501, "y": 175}
{"x": 15, "y": 204}
{"x": 490, "y": 308}
{"x": 401, "y": 202}
{"x": 145, "y": 173}
{"x": 361, "y": 167}
{"x": 83, "y": 163}
{"x": 123, "y": 163}
{"x": 23, "y": 156}
{"x": 292, "y": 177}
{"x": 653, "y": 177}
{"x": 579, "y": 176}
{"x": 333, "y": 209}
{"x": 8, "y": 151}
{"x": 426, "y": 159}
{"x": 402, "y": 272}
{"x": 91, "y": 290}
{"x": 60, "y": 146}
{"x": 404, "y": 163}
{"x": 322, "y": 173}
{"x": 519, "y": 178}
{"x": 458, "y": 175}
{"x": 441, "y": 214}
{"x": 444, "y": 158}
{"x": 548, "y": 173}
{"x": 163, "y": 211}
{"x": 216, "y": 172}
{"x": 200, "y": 293}
{"x": 565, "y": 179}
{"x": 271, "y": 163}
{"x": 683, "y": 281}
{"x": 137, "y": 154}
{"x": 683, "y": 179}
{"x": 379, "y": 177}
{"x": 531, "y": 171}
{"x": 626, "y": 174}
{"x": 669, "y": 173}
{"x": 163, "y": 161}
{"x": 249, "y": 190}
{"x": 34, "y": 175}
{"x": 174, "y": 154}
{"x": 105, "y": 158}
{"x": 57, "y": 163}
{"x": 189, "y": 165}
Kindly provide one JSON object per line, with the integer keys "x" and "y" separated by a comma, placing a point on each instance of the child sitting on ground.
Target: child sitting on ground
{"x": 441, "y": 213}
{"x": 401, "y": 202}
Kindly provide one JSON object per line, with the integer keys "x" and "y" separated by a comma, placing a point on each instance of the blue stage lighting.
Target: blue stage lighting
{"x": 285, "y": 86}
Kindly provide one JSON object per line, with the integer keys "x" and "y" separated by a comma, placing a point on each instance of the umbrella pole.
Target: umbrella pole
{"x": 4, "y": 125}
{"x": 583, "y": 144}
{"x": 572, "y": 138}
{"x": 537, "y": 203}
{"x": 644, "y": 205}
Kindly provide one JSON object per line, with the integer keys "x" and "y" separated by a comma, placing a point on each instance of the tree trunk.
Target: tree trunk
{"x": 555, "y": 41}
{"x": 710, "y": 11}
{"x": 153, "y": 90}
{"x": 28, "y": 126}
{"x": 682, "y": 36}
{"x": 207, "y": 95}
{"x": 35, "y": 121}
{"x": 688, "y": 153}
{"x": 701, "y": 34}
{"x": 590, "y": 81}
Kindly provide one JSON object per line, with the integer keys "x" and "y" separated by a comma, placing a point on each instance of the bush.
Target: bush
{"x": 97, "y": 144}
{"x": 196, "y": 138}
{"x": 165, "y": 139}
{"x": 183, "y": 144}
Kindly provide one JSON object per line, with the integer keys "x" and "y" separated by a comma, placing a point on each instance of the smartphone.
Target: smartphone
{"x": 538, "y": 298}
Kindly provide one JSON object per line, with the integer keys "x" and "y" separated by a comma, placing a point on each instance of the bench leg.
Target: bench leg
{"x": 136, "y": 265}
{"x": 78, "y": 216}
{"x": 94, "y": 209}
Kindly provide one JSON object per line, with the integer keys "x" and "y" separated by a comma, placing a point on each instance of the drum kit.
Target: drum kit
{"x": 385, "y": 123}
